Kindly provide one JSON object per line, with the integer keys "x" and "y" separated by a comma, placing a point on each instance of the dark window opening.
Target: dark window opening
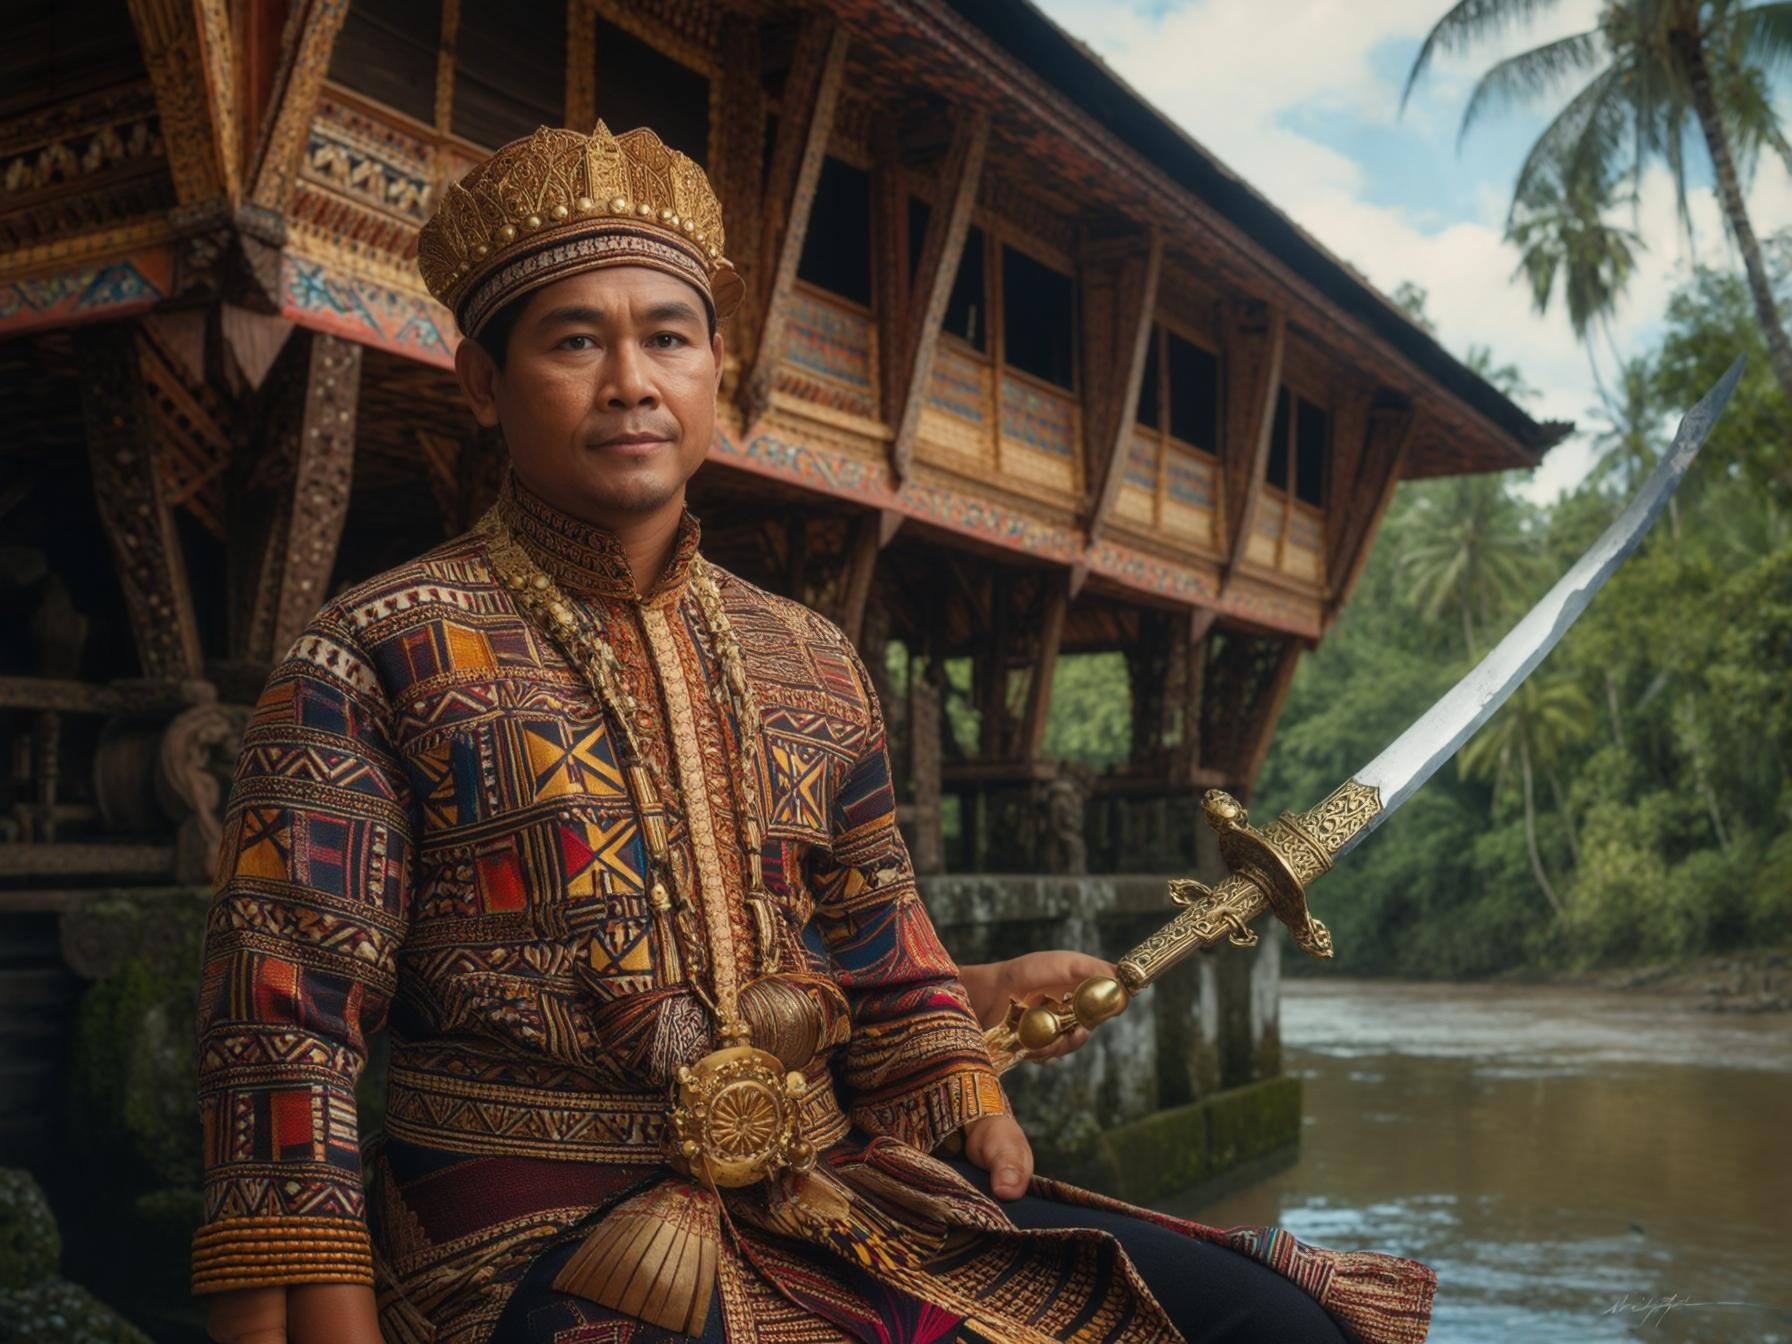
{"x": 967, "y": 309}
{"x": 387, "y": 51}
{"x": 639, "y": 85}
{"x": 1038, "y": 319}
{"x": 1312, "y": 439}
{"x": 509, "y": 70}
{"x": 57, "y": 49}
{"x": 1194, "y": 395}
{"x": 919, "y": 212}
{"x": 1149, "y": 390}
{"x": 1277, "y": 475}
{"x": 837, "y": 249}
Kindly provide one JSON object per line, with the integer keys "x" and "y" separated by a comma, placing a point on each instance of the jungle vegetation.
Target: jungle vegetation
{"x": 1634, "y": 801}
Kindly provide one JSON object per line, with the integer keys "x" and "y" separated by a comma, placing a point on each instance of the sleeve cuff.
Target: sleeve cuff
{"x": 925, "y": 1116}
{"x": 271, "y": 1252}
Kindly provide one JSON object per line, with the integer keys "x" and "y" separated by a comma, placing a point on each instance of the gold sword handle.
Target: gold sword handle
{"x": 1269, "y": 870}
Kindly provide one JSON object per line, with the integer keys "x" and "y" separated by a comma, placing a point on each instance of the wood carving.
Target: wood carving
{"x": 1115, "y": 353}
{"x": 1362, "y": 501}
{"x": 307, "y": 462}
{"x": 1254, "y": 337}
{"x": 133, "y": 509}
{"x": 188, "y": 51}
{"x": 311, "y": 29}
{"x": 908, "y": 365}
{"x": 806, "y": 118}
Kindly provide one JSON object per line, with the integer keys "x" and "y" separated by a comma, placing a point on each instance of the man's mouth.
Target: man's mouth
{"x": 633, "y": 445}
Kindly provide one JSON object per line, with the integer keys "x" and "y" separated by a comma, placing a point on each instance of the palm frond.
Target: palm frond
{"x": 1763, "y": 36}
{"x": 1528, "y": 75}
{"x": 1466, "y": 23}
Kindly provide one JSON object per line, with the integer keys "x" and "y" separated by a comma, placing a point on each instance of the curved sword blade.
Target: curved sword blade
{"x": 1414, "y": 756}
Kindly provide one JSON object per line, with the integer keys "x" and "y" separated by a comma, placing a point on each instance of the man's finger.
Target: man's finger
{"x": 1010, "y": 1168}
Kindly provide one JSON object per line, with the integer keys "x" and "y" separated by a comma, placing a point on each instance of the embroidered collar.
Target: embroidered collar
{"x": 585, "y": 559}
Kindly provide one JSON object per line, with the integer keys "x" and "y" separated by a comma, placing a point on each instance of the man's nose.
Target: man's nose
{"x": 628, "y": 382}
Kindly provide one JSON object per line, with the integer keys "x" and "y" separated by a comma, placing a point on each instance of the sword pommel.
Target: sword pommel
{"x": 1269, "y": 869}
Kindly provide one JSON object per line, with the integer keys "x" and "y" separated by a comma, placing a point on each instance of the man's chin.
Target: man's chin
{"x": 627, "y": 493}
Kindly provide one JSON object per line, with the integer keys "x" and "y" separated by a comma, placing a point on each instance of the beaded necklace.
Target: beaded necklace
{"x": 734, "y": 1121}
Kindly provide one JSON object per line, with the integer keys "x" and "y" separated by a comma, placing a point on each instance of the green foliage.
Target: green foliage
{"x": 1658, "y": 735}
{"x": 1090, "y": 719}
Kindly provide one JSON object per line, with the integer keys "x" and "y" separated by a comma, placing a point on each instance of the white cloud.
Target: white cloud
{"x": 1231, "y": 71}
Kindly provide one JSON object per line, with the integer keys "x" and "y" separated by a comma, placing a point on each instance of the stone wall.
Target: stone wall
{"x": 1194, "y": 1062}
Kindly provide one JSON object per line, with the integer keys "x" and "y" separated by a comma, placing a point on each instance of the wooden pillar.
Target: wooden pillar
{"x": 1045, "y": 667}
{"x": 306, "y": 464}
{"x": 133, "y": 509}
{"x": 925, "y": 724}
{"x": 737, "y": 135}
{"x": 1116, "y": 343}
{"x": 915, "y": 329}
{"x": 1196, "y": 625}
{"x": 870, "y": 534}
{"x": 805, "y": 121}
{"x": 1254, "y": 335}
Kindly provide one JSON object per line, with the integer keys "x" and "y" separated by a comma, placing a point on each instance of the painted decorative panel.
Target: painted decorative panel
{"x": 1042, "y": 420}
{"x": 1266, "y": 534}
{"x": 957, "y": 429}
{"x": 1191, "y": 494}
{"x": 1039, "y": 436}
{"x": 830, "y": 354}
{"x": 1303, "y": 549}
{"x": 960, "y": 385}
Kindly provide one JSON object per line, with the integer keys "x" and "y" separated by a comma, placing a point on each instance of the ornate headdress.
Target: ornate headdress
{"x": 558, "y": 203}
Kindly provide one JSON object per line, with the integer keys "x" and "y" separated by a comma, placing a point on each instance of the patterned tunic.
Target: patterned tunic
{"x": 430, "y": 834}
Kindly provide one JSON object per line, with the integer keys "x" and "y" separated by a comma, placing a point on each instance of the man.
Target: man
{"x": 606, "y": 837}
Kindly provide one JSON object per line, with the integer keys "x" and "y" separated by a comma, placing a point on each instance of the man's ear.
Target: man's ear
{"x": 715, "y": 348}
{"x": 478, "y": 377}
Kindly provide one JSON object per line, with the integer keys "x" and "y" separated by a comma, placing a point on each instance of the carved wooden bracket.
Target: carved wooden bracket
{"x": 1360, "y": 499}
{"x": 306, "y": 463}
{"x": 806, "y": 119}
{"x": 1120, "y": 299}
{"x": 305, "y": 47}
{"x": 188, "y": 51}
{"x": 121, "y": 450}
{"x": 1254, "y": 337}
{"x": 908, "y": 358}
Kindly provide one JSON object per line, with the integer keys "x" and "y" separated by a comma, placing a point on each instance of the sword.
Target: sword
{"x": 1271, "y": 868}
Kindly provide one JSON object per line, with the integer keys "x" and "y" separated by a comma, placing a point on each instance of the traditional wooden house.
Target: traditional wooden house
{"x": 1023, "y": 371}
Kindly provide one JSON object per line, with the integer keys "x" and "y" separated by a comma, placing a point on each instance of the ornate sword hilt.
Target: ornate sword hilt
{"x": 1268, "y": 869}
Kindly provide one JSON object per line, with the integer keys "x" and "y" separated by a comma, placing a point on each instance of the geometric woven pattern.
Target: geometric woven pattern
{"x": 429, "y": 834}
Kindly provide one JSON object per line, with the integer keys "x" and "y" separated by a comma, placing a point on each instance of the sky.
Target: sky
{"x": 1301, "y": 98}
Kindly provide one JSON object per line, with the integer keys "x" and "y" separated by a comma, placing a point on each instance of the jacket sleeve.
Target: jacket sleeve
{"x": 311, "y": 904}
{"x": 916, "y": 1067}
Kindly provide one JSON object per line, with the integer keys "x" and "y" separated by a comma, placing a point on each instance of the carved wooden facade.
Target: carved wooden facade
{"x": 1021, "y": 375}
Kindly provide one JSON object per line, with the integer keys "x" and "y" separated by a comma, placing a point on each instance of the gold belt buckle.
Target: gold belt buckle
{"x": 734, "y": 1120}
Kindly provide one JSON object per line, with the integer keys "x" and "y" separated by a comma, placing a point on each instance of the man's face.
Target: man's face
{"x": 607, "y": 397}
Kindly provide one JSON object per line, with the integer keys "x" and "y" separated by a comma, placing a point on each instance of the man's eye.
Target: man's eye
{"x": 666, "y": 340}
{"x": 578, "y": 343}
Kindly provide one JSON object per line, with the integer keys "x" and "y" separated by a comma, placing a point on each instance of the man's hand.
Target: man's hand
{"x": 999, "y": 1145}
{"x": 1030, "y": 980}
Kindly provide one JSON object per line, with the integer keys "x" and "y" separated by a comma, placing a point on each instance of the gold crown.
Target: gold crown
{"x": 558, "y": 203}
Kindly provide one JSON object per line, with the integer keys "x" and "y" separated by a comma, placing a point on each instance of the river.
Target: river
{"x": 1578, "y": 1165}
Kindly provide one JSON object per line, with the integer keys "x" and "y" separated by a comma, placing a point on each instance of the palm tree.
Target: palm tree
{"x": 1544, "y": 718}
{"x": 1468, "y": 554}
{"x": 1652, "y": 68}
{"x": 1562, "y": 235}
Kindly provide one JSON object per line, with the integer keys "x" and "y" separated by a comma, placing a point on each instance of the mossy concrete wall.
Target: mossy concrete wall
{"x": 1207, "y": 1030}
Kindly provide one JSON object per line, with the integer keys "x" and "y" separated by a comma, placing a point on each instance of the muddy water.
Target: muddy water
{"x": 1578, "y": 1165}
